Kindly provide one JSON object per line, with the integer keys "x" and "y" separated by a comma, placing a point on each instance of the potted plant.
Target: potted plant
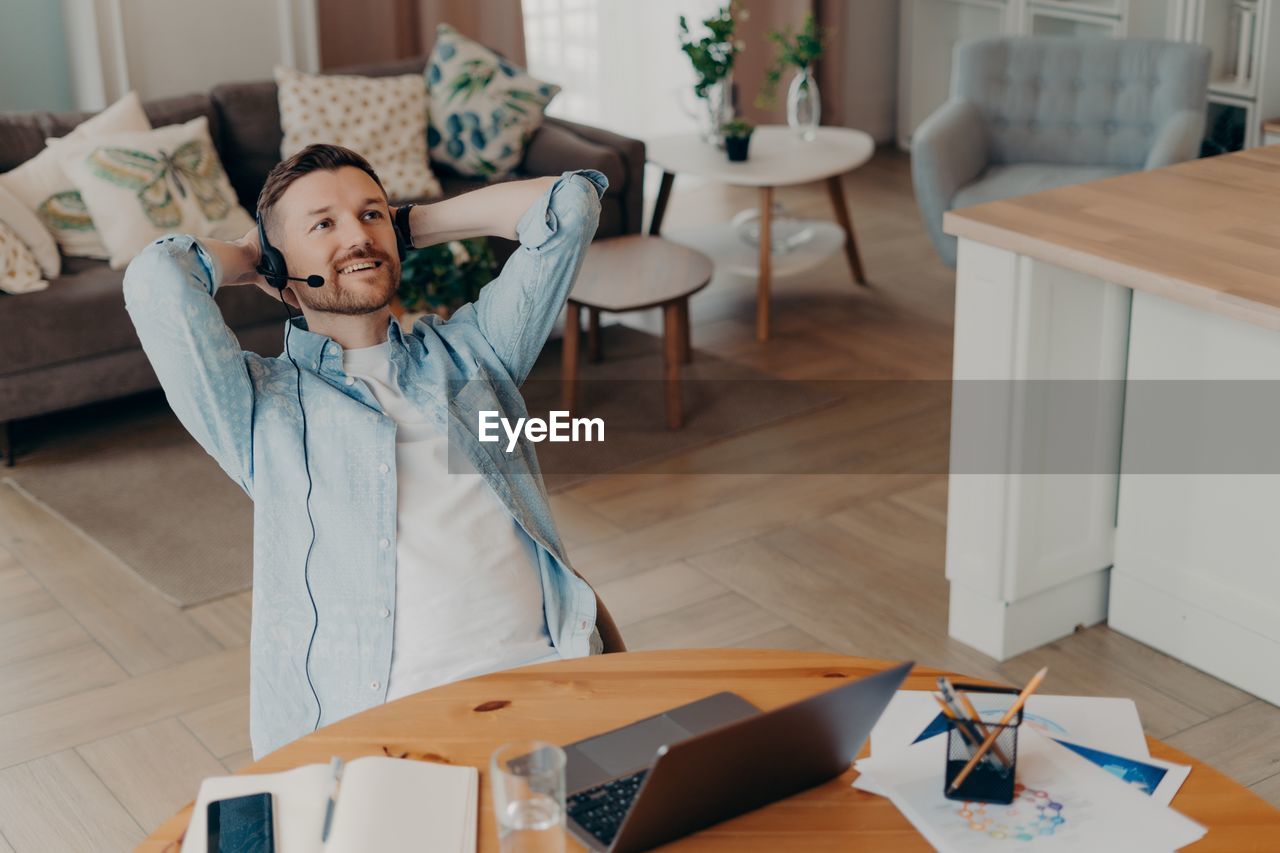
{"x": 712, "y": 58}
{"x": 799, "y": 50}
{"x": 737, "y": 139}
{"x": 440, "y": 279}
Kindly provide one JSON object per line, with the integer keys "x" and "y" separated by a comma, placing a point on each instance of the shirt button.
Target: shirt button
{"x": 351, "y": 380}
{"x": 383, "y": 468}
{"x": 384, "y": 613}
{"x": 315, "y": 365}
{"x": 374, "y": 685}
{"x": 333, "y": 349}
{"x": 385, "y": 543}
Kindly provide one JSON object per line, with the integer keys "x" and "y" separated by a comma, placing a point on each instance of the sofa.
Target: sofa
{"x": 1032, "y": 113}
{"x": 73, "y": 344}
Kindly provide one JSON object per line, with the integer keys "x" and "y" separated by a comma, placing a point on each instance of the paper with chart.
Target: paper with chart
{"x": 1063, "y": 803}
{"x": 1066, "y": 799}
{"x": 1159, "y": 780}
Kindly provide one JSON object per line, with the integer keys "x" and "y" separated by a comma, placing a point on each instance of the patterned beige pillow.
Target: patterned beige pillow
{"x": 382, "y": 118}
{"x": 31, "y": 231}
{"x": 19, "y": 272}
{"x": 42, "y": 185}
{"x": 141, "y": 186}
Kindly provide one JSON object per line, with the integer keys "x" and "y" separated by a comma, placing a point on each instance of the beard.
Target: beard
{"x": 359, "y": 293}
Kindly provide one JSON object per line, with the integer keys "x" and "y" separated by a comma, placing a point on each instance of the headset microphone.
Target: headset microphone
{"x": 311, "y": 280}
{"x": 272, "y": 267}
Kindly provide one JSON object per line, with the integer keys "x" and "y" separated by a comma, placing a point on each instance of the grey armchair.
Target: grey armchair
{"x": 1028, "y": 114}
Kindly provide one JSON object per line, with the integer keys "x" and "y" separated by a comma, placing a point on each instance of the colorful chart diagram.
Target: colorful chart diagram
{"x": 1032, "y": 814}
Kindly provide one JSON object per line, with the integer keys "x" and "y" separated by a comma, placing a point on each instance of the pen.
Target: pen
{"x": 969, "y": 735}
{"x": 991, "y": 738}
{"x": 335, "y": 767}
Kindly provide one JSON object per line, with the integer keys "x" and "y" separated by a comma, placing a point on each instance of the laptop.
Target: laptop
{"x": 680, "y": 771}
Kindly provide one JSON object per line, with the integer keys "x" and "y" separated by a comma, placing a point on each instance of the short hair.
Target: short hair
{"x": 313, "y": 158}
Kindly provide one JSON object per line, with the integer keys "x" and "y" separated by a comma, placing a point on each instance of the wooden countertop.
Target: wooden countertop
{"x": 1205, "y": 233}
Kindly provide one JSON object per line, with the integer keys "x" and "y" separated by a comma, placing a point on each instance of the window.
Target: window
{"x": 619, "y": 63}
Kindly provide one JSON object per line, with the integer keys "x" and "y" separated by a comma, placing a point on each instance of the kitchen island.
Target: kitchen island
{"x": 1117, "y": 399}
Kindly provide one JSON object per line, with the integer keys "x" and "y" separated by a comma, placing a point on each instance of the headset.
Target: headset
{"x": 273, "y": 268}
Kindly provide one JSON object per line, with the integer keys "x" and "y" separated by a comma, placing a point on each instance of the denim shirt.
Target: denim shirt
{"x": 243, "y": 410}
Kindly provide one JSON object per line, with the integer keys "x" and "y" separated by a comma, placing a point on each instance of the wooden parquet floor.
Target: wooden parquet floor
{"x": 114, "y": 704}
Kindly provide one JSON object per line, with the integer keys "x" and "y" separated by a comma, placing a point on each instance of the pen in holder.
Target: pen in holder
{"x": 992, "y": 778}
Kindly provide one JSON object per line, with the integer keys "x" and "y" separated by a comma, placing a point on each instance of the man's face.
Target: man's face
{"x": 337, "y": 224}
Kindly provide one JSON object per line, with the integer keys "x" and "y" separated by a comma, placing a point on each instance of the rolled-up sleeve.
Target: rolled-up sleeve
{"x": 517, "y": 310}
{"x": 168, "y": 292}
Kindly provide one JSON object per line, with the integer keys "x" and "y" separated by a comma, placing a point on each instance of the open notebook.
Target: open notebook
{"x": 384, "y": 804}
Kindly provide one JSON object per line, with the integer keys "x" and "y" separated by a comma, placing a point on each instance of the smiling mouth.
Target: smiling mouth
{"x": 359, "y": 266}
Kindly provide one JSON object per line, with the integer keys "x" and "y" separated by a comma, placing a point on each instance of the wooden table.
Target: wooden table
{"x": 778, "y": 158}
{"x": 463, "y": 723}
{"x": 634, "y": 273}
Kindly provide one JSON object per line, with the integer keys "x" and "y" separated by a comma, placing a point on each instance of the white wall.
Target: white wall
{"x": 173, "y": 47}
{"x": 33, "y": 57}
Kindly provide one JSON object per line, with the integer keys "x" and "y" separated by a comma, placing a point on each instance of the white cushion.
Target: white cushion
{"x": 43, "y": 186}
{"x": 19, "y": 272}
{"x": 141, "y": 186}
{"x": 28, "y": 228}
{"x": 384, "y": 119}
{"x": 483, "y": 109}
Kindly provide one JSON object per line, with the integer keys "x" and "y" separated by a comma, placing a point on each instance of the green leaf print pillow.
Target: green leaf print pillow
{"x": 483, "y": 109}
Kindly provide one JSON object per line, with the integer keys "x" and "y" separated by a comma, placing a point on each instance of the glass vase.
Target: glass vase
{"x": 804, "y": 105}
{"x": 719, "y": 110}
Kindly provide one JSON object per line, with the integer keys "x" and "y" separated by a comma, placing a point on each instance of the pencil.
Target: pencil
{"x": 960, "y": 696}
{"x": 991, "y": 738}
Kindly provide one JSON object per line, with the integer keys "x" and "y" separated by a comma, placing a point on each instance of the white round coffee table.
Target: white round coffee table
{"x": 778, "y": 158}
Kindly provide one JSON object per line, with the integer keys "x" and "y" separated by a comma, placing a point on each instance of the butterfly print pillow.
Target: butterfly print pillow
{"x": 138, "y": 187}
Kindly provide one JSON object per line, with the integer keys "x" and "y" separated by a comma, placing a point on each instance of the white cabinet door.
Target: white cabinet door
{"x": 1197, "y": 567}
{"x": 929, "y": 31}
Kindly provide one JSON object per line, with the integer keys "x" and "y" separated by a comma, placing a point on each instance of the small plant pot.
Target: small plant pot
{"x": 735, "y": 147}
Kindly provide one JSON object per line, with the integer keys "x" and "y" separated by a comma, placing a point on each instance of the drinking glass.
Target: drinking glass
{"x": 528, "y": 796}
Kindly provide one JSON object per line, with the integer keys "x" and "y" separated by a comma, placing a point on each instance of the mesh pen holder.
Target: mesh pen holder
{"x": 992, "y": 779}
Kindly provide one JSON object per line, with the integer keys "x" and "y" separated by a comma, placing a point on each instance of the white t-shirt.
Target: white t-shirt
{"x": 468, "y": 590}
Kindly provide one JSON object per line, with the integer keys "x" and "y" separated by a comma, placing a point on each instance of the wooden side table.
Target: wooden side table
{"x": 462, "y": 723}
{"x": 778, "y": 158}
{"x": 634, "y": 273}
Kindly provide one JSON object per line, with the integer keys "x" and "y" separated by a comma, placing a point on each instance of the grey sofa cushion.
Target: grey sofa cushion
{"x": 250, "y": 135}
{"x": 88, "y": 299}
{"x": 161, "y": 113}
{"x": 21, "y": 138}
{"x": 999, "y": 182}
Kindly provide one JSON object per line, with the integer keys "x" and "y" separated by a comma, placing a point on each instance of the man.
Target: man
{"x": 384, "y": 564}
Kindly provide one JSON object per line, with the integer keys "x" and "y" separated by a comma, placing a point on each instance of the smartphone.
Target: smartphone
{"x": 242, "y": 825}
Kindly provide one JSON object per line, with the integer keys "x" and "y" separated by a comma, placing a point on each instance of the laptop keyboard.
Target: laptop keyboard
{"x": 600, "y": 810}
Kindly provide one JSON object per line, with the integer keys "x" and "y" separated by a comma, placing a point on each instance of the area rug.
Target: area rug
{"x": 130, "y": 477}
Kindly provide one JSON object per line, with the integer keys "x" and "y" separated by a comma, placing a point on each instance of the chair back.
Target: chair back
{"x": 1080, "y": 101}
